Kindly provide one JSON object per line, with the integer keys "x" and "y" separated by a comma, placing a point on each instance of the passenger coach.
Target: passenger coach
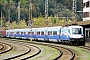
{"x": 2, "y": 33}
{"x": 65, "y": 34}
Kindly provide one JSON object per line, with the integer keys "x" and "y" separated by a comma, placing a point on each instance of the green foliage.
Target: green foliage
{"x": 22, "y": 24}
{"x": 38, "y": 21}
{"x": 53, "y": 20}
{"x": 3, "y": 23}
{"x": 13, "y": 24}
{"x": 40, "y": 16}
{"x": 61, "y": 7}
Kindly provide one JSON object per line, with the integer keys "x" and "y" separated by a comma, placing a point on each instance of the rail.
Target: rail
{"x": 6, "y": 50}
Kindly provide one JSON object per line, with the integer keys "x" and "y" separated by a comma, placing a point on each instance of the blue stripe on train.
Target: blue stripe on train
{"x": 57, "y": 37}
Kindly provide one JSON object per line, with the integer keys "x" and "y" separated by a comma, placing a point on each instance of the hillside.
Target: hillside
{"x": 62, "y": 8}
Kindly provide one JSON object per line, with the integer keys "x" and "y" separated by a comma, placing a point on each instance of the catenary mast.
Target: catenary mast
{"x": 74, "y": 10}
{"x": 18, "y": 13}
{"x": 46, "y": 12}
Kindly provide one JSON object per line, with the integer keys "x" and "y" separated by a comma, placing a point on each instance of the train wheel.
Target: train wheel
{"x": 57, "y": 40}
{"x": 44, "y": 39}
{"x": 70, "y": 43}
{"x": 48, "y": 40}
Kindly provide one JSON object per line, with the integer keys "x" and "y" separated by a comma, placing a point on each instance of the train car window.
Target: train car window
{"x": 38, "y": 33}
{"x": 21, "y": 32}
{"x": 87, "y": 4}
{"x": 7, "y": 32}
{"x": 42, "y": 33}
{"x": 86, "y": 14}
{"x": 0, "y": 32}
{"x": 84, "y": 4}
{"x": 32, "y": 32}
{"x": 24, "y": 32}
{"x": 28, "y": 32}
{"x": 54, "y": 32}
{"x": 11, "y": 32}
{"x": 49, "y": 32}
{"x": 69, "y": 30}
{"x": 76, "y": 31}
{"x": 17, "y": 32}
{"x": 60, "y": 32}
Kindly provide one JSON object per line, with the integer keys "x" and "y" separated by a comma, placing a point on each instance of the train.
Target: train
{"x": 72, "y": 34}
{"x": 2, "y": 33}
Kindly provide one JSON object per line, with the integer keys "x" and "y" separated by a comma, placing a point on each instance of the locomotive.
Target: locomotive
{"x": 2, "y": 33}
{"x": 72, "y": 35}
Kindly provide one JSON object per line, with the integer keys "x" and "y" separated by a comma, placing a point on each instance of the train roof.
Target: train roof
{"x": 55, "y": 28}
{"x": 42, "y": 29}
{"x": 75, "y": 26}
{"x": 2, "y": 30}
{"x": 22, "y": 30}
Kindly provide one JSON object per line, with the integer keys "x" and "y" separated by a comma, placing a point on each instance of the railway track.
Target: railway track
{"x": 85, "y": 47}
{"x": 5, "y": 48}
{"x": 1, "y": 46}
{"x": 34, "y": 54}
{"x": 64, "y": 53}
{"x": 24, "y": 56}
{"x": 31, "y": 52}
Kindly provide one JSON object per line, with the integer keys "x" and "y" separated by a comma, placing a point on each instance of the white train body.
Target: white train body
{"x": 56, "y": 33}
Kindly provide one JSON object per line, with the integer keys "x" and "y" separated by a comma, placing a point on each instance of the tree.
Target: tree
{"x": 38, "y": 21}
{"x": 22, "y": 24}
{"x": 61, "y": 7}
{"x": 3, "y": 23}
{"x": 13, "y": 24}
{"x": 40, "y": 16}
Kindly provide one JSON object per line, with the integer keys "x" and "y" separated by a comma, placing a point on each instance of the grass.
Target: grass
{"x": 55, "y": 53}
{"x": 45, "y": 54}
